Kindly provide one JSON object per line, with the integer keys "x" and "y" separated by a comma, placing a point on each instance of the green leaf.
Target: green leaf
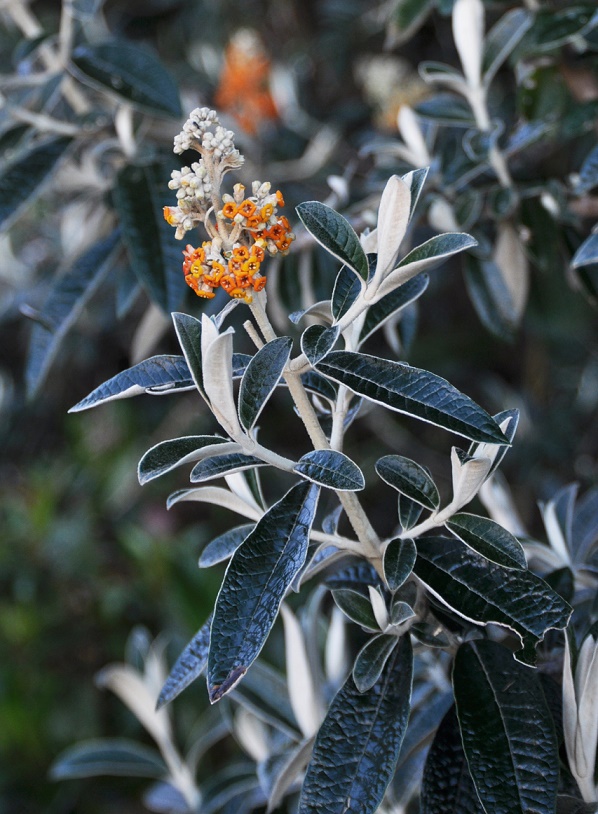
{"x": 553, "y": 29}
{"x": 412, "y": 391}
{"x": 392, "y": 303}
{"x": 347, "y": 288}
{"x": 256, "y": 580}
{"x": 167, "y": 455}
{"x": 587, "y": 252}
{"x": 65, "y": 302}
{"x": 217, "y": 466}
{"x": 261, "y": 376}
{"x": 131, "y": 72}
{"x": 587, "y": 177}
{"x": 332, "y": 469}
{"x": 224, "y": 546}
{"x": 408, "y": 16}
{"x": 317, "y": 341}
{"x": 415, "y": 180}
{"x": 399, "y": 559}
{"x": 400, "y": 611}
{"x": 446, "y": 108}
{"x": 409, "y": 512}
{"x": 24, "y": 178}
{"x": 153, "y": 252}
{"x": 108, "y": 756}
{"x": 507, "y": 730}
{"x": 437, "y": 248}
{"x": 371, "y": 660}
{"x": 358, "y": 745}
{"x": 335, "y": 234}
{"x": 441, "y": 74}
{"x": 502, "y": 39}
{"x": 489, "y": 539}
{"x": 485, "y": 593}
{"x": 490, "y": 296}
{"x": 189, "y": 665}
{"x": 410, "y": 479}
{"x": 157, "y": 375}
{"x": 447, "y": 785}
{"x": 357, "y": 607}
{"x": 509, "y": 431}
{"x": 188, "y": 331}
{"x": 264, "y": 692}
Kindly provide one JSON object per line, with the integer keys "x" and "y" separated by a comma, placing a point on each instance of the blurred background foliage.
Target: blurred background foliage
{"x": 87, "y": 554}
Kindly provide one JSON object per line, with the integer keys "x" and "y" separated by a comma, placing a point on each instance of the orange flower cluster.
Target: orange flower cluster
{"x": 261, "y": 222}
{"x": 206, "y": 269}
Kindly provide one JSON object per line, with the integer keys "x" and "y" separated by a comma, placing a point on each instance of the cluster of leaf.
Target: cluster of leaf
{"x": 413, "y": 604}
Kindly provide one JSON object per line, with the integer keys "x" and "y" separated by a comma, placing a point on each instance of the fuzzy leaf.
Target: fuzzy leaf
{"x": 335, "y": 234}
{"x": 356, "y": 607}
{"x": 412, "y": 391}
{"x": 399, "y": 559}
{"x": 65, "y": 302}
{"x": 167, "y": 455}
{"x": 154, "y": 253}
{"x": 409, "y": 479}
{"x": 216, "y": 495}
{"x": 358, "y": 745}
{"x": 484, "y": 592}
{"x": 332, "y": 469}
{"x": 393, "y": 217}
{"x": 587, "y": 252}
{"x": 388, "y": 306}
{"x": 188, "y": 331}
{"x": 513, "y": 757}
{"x": 446, "y": 108}
{"x": 347, "y": 288}
{"x": 108, "y": 756}
{"x": 502, "y": 39}
{"x": 441, "y": 74}
{"x": 257, "y": 578}
{"x": 224, "y": 546}
{"x": 317, "y": 341}
{"x": 490, "y": 296}
{"x": 189, "y": 665}
{"x": 157, "y": 375}
{"x": 415, "y": 180}
{"x": 409, "y": 512}
{"x": 261, "y": 376}
{"x": 371, "y": 660}
{"x": 468, "y": 33}
{"x": 131, "y": 72}
{"x": 489, "y": 539}
{"x": 587, "y": 178}
{"x": 219, "y": 465}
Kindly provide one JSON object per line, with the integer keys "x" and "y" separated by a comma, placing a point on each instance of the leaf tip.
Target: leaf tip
{"x": 218, "y": 691}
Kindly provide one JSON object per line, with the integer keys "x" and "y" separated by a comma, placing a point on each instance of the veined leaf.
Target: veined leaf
{"x": 24, "y": 178}
{"x": 256, "y": 580}
{"x": 409, "y": 479}
{"x": 167, "y": 455}
{"x": 261, "y": 377}
{"x": 335, "y": 234}
{"x": 189, "y": 665}
{"x": 415, "y": 180}
{"x": 317, "y": 341}
{"x": 513, "y": 757}
{"x": 412, "y": 391}
{"x": 108, "y": 756}
{"x": 400, "y": 611}
{"x": 392, "y": 303}
{"x": 371, "y": 660}
{"x": 188, "y": 331}
{"x": 347, "y": 287}
{"x": 154, "y": 254}
{"x": 216, "y": 466}
{"x": 409, "y": 512}
{"x": 126, "y": 70}
{"x": 358, "y": 745}
{"x": 484, "y": 592}
{"x": 399, "y": 559}
{"x": 357, "y": 607}
{"x": 66, "y": 300}
{"x": 332, "y": 469}
{"x": 157, "y": 375}
{"x": 489, "y": 539}
{"x": 224, "y": 546}
{"x": 501, "y": 40}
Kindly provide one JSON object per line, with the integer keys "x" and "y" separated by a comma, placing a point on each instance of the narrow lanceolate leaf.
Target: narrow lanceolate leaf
{"x": 371, "y": 660}
{"x": 412, "y": 391}
{"x": 255, "y": 583}
{"x": 394, "y": 213}
{"x": 216, "y": 495}
{"x": 317, "y": 341}
{"x": 390, "y": 305}
{"x": 507, "y": 730}
{"x": 224, "y": 546}
{"x": 502, "y": 39}
{"x": 399, "y": 559}
{"x": 167, "y": 455}
{"x": 126, "y": 70}
{"x": 409, "y": 478}
{"x": 108, "y": 756}
{"x": 484, "y": 592}
{"x": 331, "y": 468}
{"x": 24, "y": 178}
{"x": 429, "y": 254}
{"x": 157, "y": 375}
{"x": 335, "y": 234}
{"x": 153, "y": 252}
{"x": 261, "y": 377}
{"x": 217, "y": 466}
{"x": 358, "y": 745}
{"x": 347, "y": 288}
{"x": 189, "y": 665}
{"x": 415, "y": 180}
{"x": 357, "y": 607}
{"x": 447, "y": 785}
{"x": 489, "y": 539}
{"x": 188, "y": 331}
{"x": 66, "y": 300}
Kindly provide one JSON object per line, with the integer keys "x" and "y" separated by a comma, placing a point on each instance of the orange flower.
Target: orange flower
{"x": 229, "y": 210}
{"x": 247, "y": 208}
{"x": 279, "y": 198}
{"x": 266, "y": 211}
{"x": 241, "y": 253}
{"x": 169, "y": 215}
